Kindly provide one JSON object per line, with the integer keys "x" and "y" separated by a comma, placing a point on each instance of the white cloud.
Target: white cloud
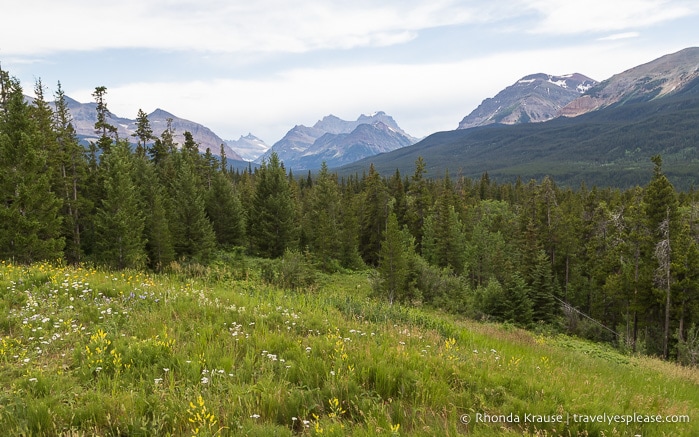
{"x": 221, "y": 25}
{"x": 618, "y": 36}
{"x": 560, "y": 17}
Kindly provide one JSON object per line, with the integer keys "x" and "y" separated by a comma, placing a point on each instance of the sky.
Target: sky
{"x": 264, "y": 66}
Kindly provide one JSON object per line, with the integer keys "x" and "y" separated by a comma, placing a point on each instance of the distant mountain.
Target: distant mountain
{"x": 84, "y": 116}
{"x": 249, "y": 147}
{"x": 534, "y": 98}
{"x": 665, "y": 76}
{"x": 655, "y": 112}
{"x": 338, "y": 141}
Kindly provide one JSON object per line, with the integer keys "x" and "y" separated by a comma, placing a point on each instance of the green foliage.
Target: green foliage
{"x": 30, "y": 222}
{"x": 272, "y": 214}
{"x": 119, "y": 222}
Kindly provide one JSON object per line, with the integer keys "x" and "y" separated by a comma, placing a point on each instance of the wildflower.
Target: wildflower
{"x": 204, "y": 380}
{"x": 255, "y": 416}
{"x": 33, "y": 379}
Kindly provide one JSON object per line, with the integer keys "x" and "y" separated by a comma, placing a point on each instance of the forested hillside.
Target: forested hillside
{"x": 517, "y": 252}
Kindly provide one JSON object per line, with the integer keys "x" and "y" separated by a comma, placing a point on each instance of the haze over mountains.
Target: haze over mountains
{"x": 569, "y": 126}
{"x": 605, "y": 136}
{"x": 337, "y": 142}
{"x": 85, "y": 114}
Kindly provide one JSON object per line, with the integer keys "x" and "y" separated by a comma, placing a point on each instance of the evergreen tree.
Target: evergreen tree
{"x": 119, "y": 221}
{"x": 541, "y": 291}
{"x": 144, "y": 133}
{"x": 159, "y": 241}
{"x": 322, "y": 219}
{"x": 71, "y": 170}
{"x": 443, "y": 239}
{"x": 418, "y": 203}
{"x": 193, "y": 234}
{"x": 373, "y": 212}
{"x": 661, "y": 207}
{"x": 225, "y": 211}
{"x": 393, "y": 263}
{"x": 30, "y": 222}
{"x": 272, "y": 217}
{"x": 102, "y": 126}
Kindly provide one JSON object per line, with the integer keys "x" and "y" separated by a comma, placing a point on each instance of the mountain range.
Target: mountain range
{"x": 85, "y": 114}
{"x": 337, "y": 142}
{"x": 604, "y": 136}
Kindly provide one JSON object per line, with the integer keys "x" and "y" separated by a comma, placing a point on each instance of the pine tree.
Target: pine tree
{"x": 373, "y": 212}
{"x": 541, "y": 290}
{"x": 102, "y": 126}
{"x": 119, "y": 221}
{"x": 393, "y": 263}
{"x": 71, "y": 169}
{"x": 272, "y": 216}
{"x": 322, "y": 219}
{"x": 418, "y": 202}
{"x": 661, "y": 207}
{"x": 30, "y": 223}
{"x": 225, "y": 211}
{"x": 159, "y": 241}
{"x": 193, "y": 234}
{"x": 144, "y": 133}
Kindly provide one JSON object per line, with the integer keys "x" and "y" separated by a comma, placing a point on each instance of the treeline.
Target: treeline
{"x": 533, "y": 254}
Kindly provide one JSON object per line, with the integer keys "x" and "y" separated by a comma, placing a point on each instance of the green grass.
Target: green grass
{"x": 93, "y": 352}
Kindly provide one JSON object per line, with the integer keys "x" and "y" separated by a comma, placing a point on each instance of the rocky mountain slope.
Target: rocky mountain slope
{"x": 249, "y": 146}
{"x": 85, "y": 114}
{"x": 338, "y": 141}
{"x": 662, "y": 77}
{"x": 534, "y": 98}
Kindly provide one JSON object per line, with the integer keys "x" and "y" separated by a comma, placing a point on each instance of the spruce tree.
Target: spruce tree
{"x": 119, "y": 221}
{"x": 272, "y": 214}
{"x": 393, "y": 263}
{"x": 144, "y": 133}
{"x": 71, "y": 171}
{"x": 30, "y": 222}
{"x": 159, "y": 241}
{"x": 322, "y": 219}
{"x": 225, "y": 211}
{"x": 373, "y": 212}
{"x": 192, "y": 231}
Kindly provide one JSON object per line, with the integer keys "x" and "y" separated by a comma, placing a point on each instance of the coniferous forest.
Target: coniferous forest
{"x": 611, "y": 265}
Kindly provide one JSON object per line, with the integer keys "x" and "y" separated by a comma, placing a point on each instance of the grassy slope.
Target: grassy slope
{"x": 86, "y": 352}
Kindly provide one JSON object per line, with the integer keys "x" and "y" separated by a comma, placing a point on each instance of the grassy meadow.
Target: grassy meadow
{"x": 218, "y": 351}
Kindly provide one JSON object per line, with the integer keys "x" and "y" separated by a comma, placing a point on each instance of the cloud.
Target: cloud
{"x": 220, "y": 25}
{"x": 618, "y": 36}
{"x": 423, "y": 98}
{"x": 565, "y": 18}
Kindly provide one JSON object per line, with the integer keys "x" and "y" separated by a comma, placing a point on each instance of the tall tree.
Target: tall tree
{"x": 193, "y": 234}
{"x": 272, "y": 216}
{"x": 119, "y": 221}
{"x": 322, "y": 219}
{"x": 661, "y": 208}
{"x": 393, "y": 263}
{"x": 225, "y": 211}
{"x": 373, "y": 212}
{"x": 30, "y": 222}
{"x": 102, "y": 126}
{"x": 144, "y": 133}
{"x": 71, "y": 168}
